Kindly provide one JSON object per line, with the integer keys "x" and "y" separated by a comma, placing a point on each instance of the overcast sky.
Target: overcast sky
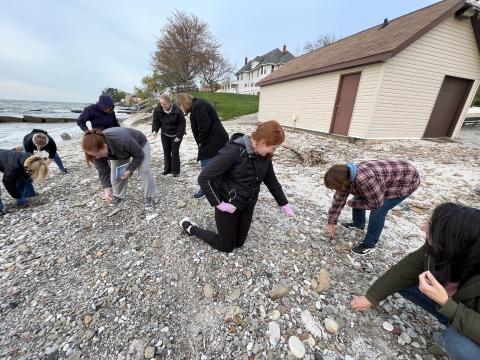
{"x": 70, "y": 50}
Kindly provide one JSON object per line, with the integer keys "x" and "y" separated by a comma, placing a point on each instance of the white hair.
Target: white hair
{"x": 37, "y": 137}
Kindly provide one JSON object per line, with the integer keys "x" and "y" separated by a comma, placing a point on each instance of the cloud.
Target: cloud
{"x": 27, "y": 91}
{"x": 17, "y": 46}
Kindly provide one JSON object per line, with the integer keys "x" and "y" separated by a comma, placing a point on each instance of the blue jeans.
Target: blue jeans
{"x": 457, "y": 346}
{"x": 376, "y": 221}
{"x": 59, "y": 163}
{"x": 203, "y": 165}
{"x": 26, "y": 190}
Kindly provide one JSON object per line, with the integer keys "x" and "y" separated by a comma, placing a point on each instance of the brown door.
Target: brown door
{"x": 449, "y": 105}
{"x": 346, "y": 94}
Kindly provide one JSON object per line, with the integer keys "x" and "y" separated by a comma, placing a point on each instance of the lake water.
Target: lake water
{"x": 11, "y": 134}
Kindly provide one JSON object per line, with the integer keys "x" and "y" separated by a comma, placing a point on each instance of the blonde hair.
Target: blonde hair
{"x": 40, "y": 140}
{"x": 37, "y": 168}
{"x": 185, "y": 102}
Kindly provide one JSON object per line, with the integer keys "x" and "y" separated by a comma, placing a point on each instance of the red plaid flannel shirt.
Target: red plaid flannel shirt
{"x": 375, "y": 181}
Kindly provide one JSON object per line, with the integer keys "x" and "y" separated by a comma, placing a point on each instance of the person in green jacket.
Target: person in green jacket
{"x": 443, "y": 277}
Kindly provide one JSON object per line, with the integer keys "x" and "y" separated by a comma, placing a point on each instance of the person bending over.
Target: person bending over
{"x": 378, "y": 186}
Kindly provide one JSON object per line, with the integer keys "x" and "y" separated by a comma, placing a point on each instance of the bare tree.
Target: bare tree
{"x": 216, "y": 69}
{"x": 323, "y": 40}
{"x": 182, "y": 49}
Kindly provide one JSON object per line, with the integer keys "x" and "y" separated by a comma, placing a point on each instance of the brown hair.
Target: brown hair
{"x": 93, "y": 141}
{"x": 40, "y": 140}
{"x": 270, "y": 131}
{"x": 36, "y": 167}
{"x": 185, "y": 102}
{"x": 338, "y": 178}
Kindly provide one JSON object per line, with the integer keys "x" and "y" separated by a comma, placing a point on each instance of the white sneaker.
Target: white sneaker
{"x": 186, "y": 224}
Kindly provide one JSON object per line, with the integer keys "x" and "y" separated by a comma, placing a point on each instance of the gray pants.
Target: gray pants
{"x": 119, "y": 186}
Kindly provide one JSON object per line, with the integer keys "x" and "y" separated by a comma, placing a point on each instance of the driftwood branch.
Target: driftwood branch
{"x": 308, "y": 154}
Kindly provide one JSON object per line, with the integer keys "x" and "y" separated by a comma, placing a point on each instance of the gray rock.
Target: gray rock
{"x": 323, "y": 281}
{"x": 278, "y": 291}
{"x": 208, "y": 291}
{"x": 76, "y": 355}
{"x": 51, "y": 353}
{"x": 275, "y": 315}
{"x": 274, "y": 333}
{"x": 404, "y": 338}
{"x": 387, "y": 326}
{"x": 137, "y": 349}
{"x": 149, "y": 352}
{"x": 23, "y": 249}
{"x": 234, "y": 295}
{"x": 296, "y": 347}
{"x": 331, "y": 326}
{"x": 65, "y": 136}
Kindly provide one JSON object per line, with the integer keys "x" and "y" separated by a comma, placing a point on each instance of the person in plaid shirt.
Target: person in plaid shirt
{"x": 378, "y": 186}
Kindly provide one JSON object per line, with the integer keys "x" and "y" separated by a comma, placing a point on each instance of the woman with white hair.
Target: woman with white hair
{"x": 169, "y": 119}
{"x": 39, "y": 140}
{"x": 19, "y": 170}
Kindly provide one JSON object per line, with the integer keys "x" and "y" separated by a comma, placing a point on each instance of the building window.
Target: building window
{"x": 273, "y": 67}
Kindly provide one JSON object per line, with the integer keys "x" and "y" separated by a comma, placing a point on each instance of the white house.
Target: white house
{"x": 407, "y": 78}
{"x": 254, "y": 70}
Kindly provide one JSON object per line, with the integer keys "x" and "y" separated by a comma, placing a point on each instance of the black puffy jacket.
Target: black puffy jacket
{"x": 207, "y": 129}
{"x": 235, "y": 175}
{"x": 172, "y": 123}
{"x": 11, "y": 165}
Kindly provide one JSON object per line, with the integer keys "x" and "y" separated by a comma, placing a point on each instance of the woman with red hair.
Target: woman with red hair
{"x": 117, "y": 153}
{"x": 231, "y": 182}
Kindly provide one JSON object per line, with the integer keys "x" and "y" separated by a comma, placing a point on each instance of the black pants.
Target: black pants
{"x": 171, "y": 155}
{"x": 232, "y": 230}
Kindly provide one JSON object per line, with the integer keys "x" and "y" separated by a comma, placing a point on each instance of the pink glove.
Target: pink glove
{"x": 287, "y": 209}
{"x": 226, "y": 207}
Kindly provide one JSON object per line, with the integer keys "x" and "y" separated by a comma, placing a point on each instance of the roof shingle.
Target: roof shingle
{"x": 274, "y": 57}
{"x": 369, "y": 46}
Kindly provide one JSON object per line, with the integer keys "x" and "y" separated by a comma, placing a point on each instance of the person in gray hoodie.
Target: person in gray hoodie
{"x": 117, "y": 153}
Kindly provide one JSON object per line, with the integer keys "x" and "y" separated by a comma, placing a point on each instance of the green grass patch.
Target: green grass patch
{"x": 476, "y": 100}
{"x": 230, "y": 105}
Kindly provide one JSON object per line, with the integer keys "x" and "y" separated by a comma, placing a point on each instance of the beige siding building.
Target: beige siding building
{"x": 411, "y": 77}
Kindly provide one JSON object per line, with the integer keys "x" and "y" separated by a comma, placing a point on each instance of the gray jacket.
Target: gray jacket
{"x": 123, "y": 144}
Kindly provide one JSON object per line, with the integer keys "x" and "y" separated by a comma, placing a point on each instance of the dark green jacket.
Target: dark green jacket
{"x": 462, "y": 309}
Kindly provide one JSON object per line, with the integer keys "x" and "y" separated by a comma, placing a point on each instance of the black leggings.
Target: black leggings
{"x": 171, "y": 156}
{"x": 232, "y": 230}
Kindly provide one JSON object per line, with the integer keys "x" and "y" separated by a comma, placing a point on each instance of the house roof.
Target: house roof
{"x": 373, "y": 45}
{"x": 274, "y": 57}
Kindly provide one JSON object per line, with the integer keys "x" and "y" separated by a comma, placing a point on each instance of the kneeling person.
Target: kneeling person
{"x": 231, "y": 182}
{"x": 443, "y": 277}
